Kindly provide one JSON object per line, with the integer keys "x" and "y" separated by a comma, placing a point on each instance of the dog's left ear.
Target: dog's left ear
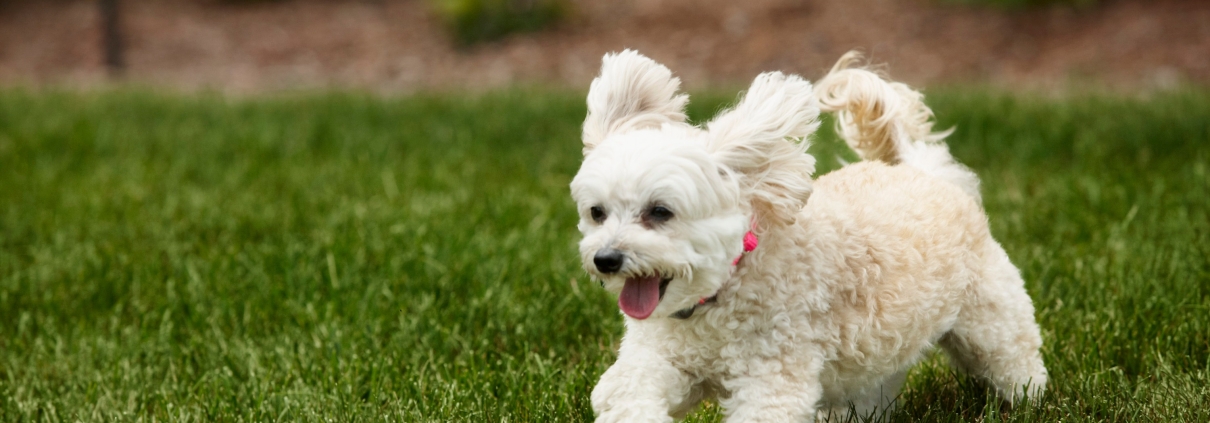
{"x": 763, "y": 142}
{"x": 633, "y": 92}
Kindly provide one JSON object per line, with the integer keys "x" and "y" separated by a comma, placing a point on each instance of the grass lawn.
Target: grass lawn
{"x": 343, "y": 257}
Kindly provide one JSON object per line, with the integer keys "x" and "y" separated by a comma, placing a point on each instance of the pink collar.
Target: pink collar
{"x": 750, "y": 243}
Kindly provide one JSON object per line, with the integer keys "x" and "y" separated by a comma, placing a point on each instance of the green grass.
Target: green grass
{"x": 350, "y": 258}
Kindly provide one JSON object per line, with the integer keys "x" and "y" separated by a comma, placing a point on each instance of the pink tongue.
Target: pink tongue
{"x": 640, "y": 296}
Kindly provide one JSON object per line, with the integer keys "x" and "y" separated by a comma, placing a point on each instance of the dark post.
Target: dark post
{"x": 111, "y": 38}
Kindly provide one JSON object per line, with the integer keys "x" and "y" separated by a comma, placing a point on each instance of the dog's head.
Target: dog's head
{"x": 664, "y": 205}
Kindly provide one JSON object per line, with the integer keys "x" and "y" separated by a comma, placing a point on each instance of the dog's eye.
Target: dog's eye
{"x": 659, "y": 214}
{"x": 598, "y": 214}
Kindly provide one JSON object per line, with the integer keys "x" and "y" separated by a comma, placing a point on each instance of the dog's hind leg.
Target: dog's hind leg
{"x": 996, "y": 337}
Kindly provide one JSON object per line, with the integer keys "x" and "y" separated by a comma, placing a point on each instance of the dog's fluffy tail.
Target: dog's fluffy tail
{"x": 888, "y": 121}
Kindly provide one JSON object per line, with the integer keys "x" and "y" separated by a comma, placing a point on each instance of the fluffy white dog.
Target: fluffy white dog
{"x": 788, "y": 299}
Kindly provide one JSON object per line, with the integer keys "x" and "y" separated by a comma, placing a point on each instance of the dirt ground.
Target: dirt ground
{"x": 399, "y": 46}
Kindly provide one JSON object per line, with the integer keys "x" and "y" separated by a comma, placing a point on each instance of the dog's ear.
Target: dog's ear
{"x": 762, "y": 141}
{"x": 633, "y": 92}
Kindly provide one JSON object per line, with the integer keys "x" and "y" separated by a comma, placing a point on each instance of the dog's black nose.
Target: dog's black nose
{"x": 608, "y": 260}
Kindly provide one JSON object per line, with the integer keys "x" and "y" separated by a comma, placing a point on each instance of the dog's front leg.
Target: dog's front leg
{"x": 641, "y": 386}
{"x": 776, "y": 396}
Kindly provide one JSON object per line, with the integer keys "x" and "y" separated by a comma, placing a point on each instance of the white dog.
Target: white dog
{"x": 786, "y": 299}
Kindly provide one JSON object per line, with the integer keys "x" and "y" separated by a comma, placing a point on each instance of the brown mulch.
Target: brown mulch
{"x": 398, "y": 46}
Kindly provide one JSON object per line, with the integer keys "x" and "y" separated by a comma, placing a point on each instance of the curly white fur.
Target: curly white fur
{"x": 856, "y": 275}
{"x": 889, "y": 121}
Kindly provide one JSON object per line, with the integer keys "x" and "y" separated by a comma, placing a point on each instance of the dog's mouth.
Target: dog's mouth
{"x": 642, "y": 294}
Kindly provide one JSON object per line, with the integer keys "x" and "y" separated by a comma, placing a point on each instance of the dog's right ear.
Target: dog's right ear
{"x": 633, "y": 92}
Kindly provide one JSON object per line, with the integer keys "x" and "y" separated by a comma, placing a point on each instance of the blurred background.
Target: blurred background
{"x": 411, "y": 45}
{"x": 358, "y": 210}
